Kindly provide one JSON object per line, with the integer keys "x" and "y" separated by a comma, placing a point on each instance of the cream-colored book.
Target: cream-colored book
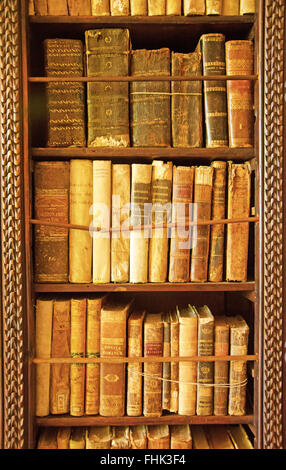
{"x": 138, "y": 8}
{"x": 173, "y": 7}
{"x": 138, "y": 437}
{"x": 214, "y": 7}
{"x": 98, "y": 437}
{"x": 247, "y": 7}
{"x": 121, "y": 438}
{"x": 100, "y": 8}
{"x": 156, "y": 7}
{"x": 77, "y": 439}
{"x": 119, "y": 7}
{"x": 174, "y": 386}
{"x": 158, "y": 437}
{"x": 230, "y": 7}
{"x": 181, "y": 437}
{"x": 205, "y": 373}
{"x": 77, "y": 373}
{"x": 194, "y": 7}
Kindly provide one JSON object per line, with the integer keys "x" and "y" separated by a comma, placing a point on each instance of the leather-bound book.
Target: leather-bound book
{"x": 186, "y": 106}
{"x": 179, "y": 264}
{"x": 41, "y": 7}
{"x": 57, "y": 7}
{"x": 77, "y": 371}
{"x": 138, "y": 437}
{"x": 156, "y": 7}
{"x": 214, "y": 7}
{"x": 63, "y": 437}
{"x": 173, "y": 7}
{"x": 188, "y": 346}
{"x": 138, "y": 8}
{"x": 240, "y": 61}
{"x": 65, "y": 100}
{"x": 139, "y": 239}
{"x": 31, "y": 7}
{"x": 161, "y": 189}
{"x": 202, "y": 211}
{"x": 107, "y": 54}
{"x": 181, "y": 437}
{"x": 247, "y": 7}
{"x": 239, "y": 187}
{"x": 239, "y": 437}
{"x": 47, "y": 438}
{"x": 60, "y": 373}
{"x": 79, "y": 7}
{"x": 217, "y": 239}
{"x": 221, "y": 372}
{"x": 166, "y": 389}
{"x": 121, "y": 438}
{"x": 113, "y": 325}
{"x": 153, "y": 346}
{"x": 77, "y": 439}
{"x": 119, "y": 7}
{"x": 51, "y": 204}
{"x": 98, "y": 437}
{"x": 174, "y": 386}
{"x": 158, "y": 437}
{"x": 120, "y": 245}
{"x": 218, "y": 437}
{"x": 80, "y": 241}
{"x": 200, "y": 440}
{"x": 100, "y": 8}
{"x": 134, "y": 369}
{"x": 194, "y": 7}
{"x": 205, "y": 369}
{"x": 212, "y": 47}
{"x": 230, "y": 7}
{"x": 150, "y": 101}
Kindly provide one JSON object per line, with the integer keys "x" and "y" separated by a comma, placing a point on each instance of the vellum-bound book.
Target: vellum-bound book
{"x": 194, "y": 7}
{"x": 63, "y": 437}
{"x": 121, "y": 438}
{"x": 31, "y": 8}
{"x": 230, "y": 7}
{"x": 205, "y": 369}
{"x": 156, "y": 7}
{"x": 138, "y": 7}
{"x": 181, "y": 437}
{"x": 119, "y": 7}
{"x": 158, "y": 437}
{"x": 214, "y": 7}
{"x": 79, "y": 7}
{"x": 77, "y": 439}
{"x": 100, "y": 8}
{"x": 98, "y": 437}
{"x": 57, "y": 7}
{"x": 221, "y": 368}
{"x": 247, "y": 7}
{"x": 77, "y": 371}
{"x": 138, "y": 437}
{"x": 173, "y": 7}
{"x": 134, "y": 369}
{"x": 174, "y": 385}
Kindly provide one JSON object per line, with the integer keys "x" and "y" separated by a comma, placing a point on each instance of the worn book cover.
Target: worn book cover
{"x": 247, "y": 7}
{"x": 63, "y": 437}
{"x": 138, "y": 7}
{"x": 100, "y": 8}
{"x": 166, "y": 388}
{"x": 230, "y": 7}
{"x": 134, "y": 369}
{"x": 174, "y": 385}
{"x": 214, "y": 7}
{"x": 98, "y": 437}
{"x": 205, "y": 369}
{"x": 77, "y": 439}
{"x": 194, "y": 7}
{"x": 180, "y": 437}
{"x": 221, "y": 368}
{"x": 138, "y": 437}
{"x": 57, "y": 7}
{"x": 173, "y": 7}
{"x": 79, "y": 7}
{"x": 158, "y": 437}
{"x": 120, "y": 438}
{"x": 119, "y": 7}
{"x": 156, "y": 7}
{"x": 47, "y": 438}
{"x": 41, "y": 7}
{"x": 78, "y": 341}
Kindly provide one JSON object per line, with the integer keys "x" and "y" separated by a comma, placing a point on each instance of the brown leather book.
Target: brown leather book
{"x": 77, "y": 439}
{"x": 247, "y": 7}
{"x": 98, "y": 437}
{"x": 180, "y": 437}
{"x": 121, "y": 438}
{"x": 156, "y": 7}
{"x": 150, "y": 101}
{"x": 134, "y": 369}
{"x": 31, "y": 7}
{"x": 138, "y": 8}
{"x": 174, "y": 386}
{"x": 138, "y": 437}
{"x": 153, "y": 346}
{"x": 186, "y": 106}
{"x": 77, "y": 371}
{"x": 119, "y": 7}
{"x": 202, "y": 211}
{"x": 221, "y": 348}
{"x": 100, "y": 8}
{"x": 158, "y": 437}
{"x": 216, "y": 258}
{"x": 57, "y": 7}
{"x": 239, "y": 186}
{"x": 194, "y": 7}
{"x": 47, "y": 438}
{"x": 214, "y": 7}
{"x": 205, "y": 369}
{"x": 218, "y": 437}
{"x": 173, "y": 7}
{"x": 79, "y": 7}
{"x": 200, "y": 440}
{"x": 113, "y": 325}
{"x": 166, "y": 388}
{"x": 41, "y": 7}
{"x": 63, "y": 437}
{"x": 51, "y": 204}
{"x": 240, "y": 100}
{"x": 230, "y": 7}
{"x": 107, "y": 54}
{"x": 65, "y": 100}
{"x": 212, "y": 47}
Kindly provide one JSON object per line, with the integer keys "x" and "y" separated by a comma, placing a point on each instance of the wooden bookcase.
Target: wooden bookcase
{"x": 260, "y": 299}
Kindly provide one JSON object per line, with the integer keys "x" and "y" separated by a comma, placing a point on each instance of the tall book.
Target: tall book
{"x": 182, "y": 197}
{"x": 101, "y": 210}
{"x": 200, "y": 440}
{"x": 173, "y": 7}
{"x": 57, "y": 7}
{"x": 247, "y": 7}
{"x": 51, "y": 204}
{"x": 202, "y": 211}
{"x": 60, "y": 373}
{"x": 113, "y": 343}
{"x": 77, "y": 371}
{"x": 98, "y": 437}
{"x": 138, "y": 7}
{"x": 77, "y": 439}
{"x": 166, "y": 389}
{"x": 41, "y": 7}
{"x": 216, "y": 258}
{"x": 134, "y": 369}
{"x": 156, "y": 7}
{"x": 158, "y": 437}
{"x": 214, "y": 7}
{"x": 239, "y": 187}
{"x": 221, "y": 368}
{"x": 188, "y": 346}
{"x": 80, "y": 241}
{"x": 100, "y": 8}
{"x": 230, "y": 7}
{"x": 138, "y": 437}
{"x": 63, "y": 437}
{"x": 161, "y": 213}
{"x": 240, "y": 100}
{"x": 205, "y": 369}
{"x": 180, "y": 437}
{"x": 79, "y": 7}
{"x": 174, "y": 386}
{"x": 65, "y": 100}
{"x": 153, "y": 346}
{"x": 47, "y": 438}
{"x": 212, "y": 47}
{"x": 120, "y": 217}
{"x": 139, "y": 239}
{"x": 218, "y": 437}
{"x": 150, "y": 101}
{"x": 119, "y": 7}
{"x": 107, "y": 54}
{"x": 120, "y": 438}
{"x": 194, "y": 7}
{"x": 186, "y": 104}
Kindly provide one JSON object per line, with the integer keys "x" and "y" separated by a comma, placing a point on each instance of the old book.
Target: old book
{"x": 218, "y": 437}
{"x": 156, "y": 7}
{"x": 139, "y": 239}
{"x": 214, "y": 7}
{"x": 221, "y": 372}
{"x": 158, "y": 437}
{"x": 47, "y": 438}
{"x": 182, "y": 197}
{"x": 230, "y": 7}
{"x": 150, "y": 101}
{"x": 166, "y": 389}
{"x": 247, "y": 7}
{"x": 63, "y": 437}
{"x": 239, "y": 437}
{"x": 44, "y": 318}
{"x": 153, "y": 346}
{"x": 107, "y": 54}
{"x": 239, "y": 187}
{"x": 200, "y": 440}
{"x": 100, "y": 7}
{"x": 98, "y": 437}
{"x": 80, "y": 241}
{"x": 138, "y": 8}
{"x": 113, "y": 343}
{"x": 138, "y": 437}
{"x": 51, "y": 204}
{"x": 77, "y": 439}
{"x": 161, "y": 188}
{"x": 60, "y": 373}
{"x": 239, "y": 332}
{"x": 119, "y": 7}
{"x": 202, "y": 211}
{"x": 120, "y": 245}
{"x": 134, "y": 369}
{"x": 79, "y": 7}
{"x": 77, "y": 371}
{"x": 31, "y": 7}
{"x": 194, "y": 7}
{"x": 181, "y": 437}
{"x": 240, "y": 100}
{"x": 101, "y": 210}
{"x": 186, "y": 105}
{"x": 174, "y": 386}
{"x": 65, "y": 100}
{"x": 188, "y": 346}
{"x": 57, "y": 7}
{"x": 41, "y": 7}
{"x": 205, "y": 369}
{"x": 94, "y": 305}
{"x": 121, "y": 438}
{"x": 173, "y": 7}
{"x": 212, "y": 47}
{"x": 216, "y": 258}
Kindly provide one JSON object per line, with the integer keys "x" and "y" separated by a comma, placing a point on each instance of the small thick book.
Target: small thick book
{"x": 158, "y": 437}
{"x": 166, "y": 388}
{"x": 134, "y": 369}
{"x": 63, "y": 437}
{"x": 47, "y": 438}
{"x": 221, "y": 368}
{"x": 78, "y": 342}
{"x": 100, "y": 7}
{"x": 79, "y": 7}
{"x": 194, "y": 7}
{"x": 230, "y": 7}
{"x": 120, "y": 438}
{"x": 214, "y": 7}
{"x": 138, "y": 437}
{"x": 77, "y": 439}
{"x": 174, "y": 344}
{"x": 98, "y": 437}
{"x": 156, "y": 7}
{"x": 205, "y": 369}
{"x": 180, "y": 437}
{"x": 119, "y": 7}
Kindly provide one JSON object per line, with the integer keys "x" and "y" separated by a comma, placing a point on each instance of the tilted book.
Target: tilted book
{"x": 63, "y": 437}
{"x": 200, "y": 440}
{"x": 156, "y": 7}
{"x": 57, "y": 7}
{"x": 138, "y": 437}
{"x": 47, "y": 438}
{"x": 221, "y": 368}
{"x": 158, "y": 437}
{"x": 98, "y": 437}
{"x": 247, "y": 7}
{"x": 134, "y": 369}
{"x": 218, "y": 437}
{"x": 194, "y": 7}
{"x": 205, "y": 369}
{"x": 230, "y": 7}
{"x": 180, "y": 437}
{"x": 239, "y": 437}
{"x": 173, "y": 7}
{"x": 138, "y": 8}
{"x": 100, "y": 8}
{"x": 78, "y": 341}
{"x": 120, "y": 438}
{"x": 166, "y": 389}
{"x": 174, "y": 386}
{"x": 119, "y": 7}
{"x": 79, "y": 7}
{"x": 214, "y": 7}
{"x": 77, "y": 439}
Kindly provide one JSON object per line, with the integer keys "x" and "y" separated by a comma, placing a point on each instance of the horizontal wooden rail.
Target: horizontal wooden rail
{"x": 140, "y": 78}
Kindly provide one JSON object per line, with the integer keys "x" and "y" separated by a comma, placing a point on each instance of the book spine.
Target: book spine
{"x": 80, "y": 241}
{"x": 77, "y": 371}
{"x": 166, "y": 389}
{"x": 194, "y": 7}
{"x": 173, "y": 7}
{"x": 239, "y": 181}
{"x": 158, "y": 437}
{"x": 134, "y": 369}
{"x": 239, "y": 61}
{"x": 100, "y": 8}
{"x": 63, "y": 438}
{"x": 230, "y": 7}
{"x": 119, "y": 7}
{"x": 121, "y": 438}
{"x": 202, "y": 211}
{"x": 31, "y": 7}
{"x": 180, "y": 437}
{"x": 247, "y": 7}
{"x": 57, "y": 7}
{"x": 41, "y": 7}
{"x": 174, "y": 387}
{"x": 51, "y": 203}
{"x": 107, "y": 53}
{"x": 188, "y": 346}
{"x": 221, "y": 348}
{"x": 217, "y": 231}
{"x": 237, "y": 371}
{"x": 92, "y": 350}
{"x": 214, "y": 7}
{"x": 152, "y": 390}
{"x": 150, "y": 101}
{"x": 79, "y": 7}
{"x": 156, "y": 7}
{"x": 186, "y": 108}
{"x": 138, "y": 437}
{"x": 205, "y": 369}
{"x": 138, "y": 8}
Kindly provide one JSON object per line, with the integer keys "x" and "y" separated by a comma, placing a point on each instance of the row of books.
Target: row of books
{"x": 98, "y": 327}
{"x": 99, "y": 194}
{"x": 145, "y": 437}
{"x": 184, "y": 113}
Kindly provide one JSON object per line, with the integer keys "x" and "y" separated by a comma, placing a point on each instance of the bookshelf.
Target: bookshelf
{"x": 23, "y": 143}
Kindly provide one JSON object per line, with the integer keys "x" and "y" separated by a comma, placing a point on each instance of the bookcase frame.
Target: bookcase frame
{"x": 267, "y": 291}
